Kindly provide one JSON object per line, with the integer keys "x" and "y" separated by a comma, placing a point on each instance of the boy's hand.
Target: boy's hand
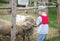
{"x": 35, "y": 25}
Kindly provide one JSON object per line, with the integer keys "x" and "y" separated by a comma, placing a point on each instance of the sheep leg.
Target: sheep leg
{"x": 23, "y": 36}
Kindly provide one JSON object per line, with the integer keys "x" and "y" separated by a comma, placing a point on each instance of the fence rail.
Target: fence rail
{"x": 24, "y": 8}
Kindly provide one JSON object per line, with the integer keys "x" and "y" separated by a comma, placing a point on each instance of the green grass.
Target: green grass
{"x": 53, "y": 17}
{"x": 6, "y": 17}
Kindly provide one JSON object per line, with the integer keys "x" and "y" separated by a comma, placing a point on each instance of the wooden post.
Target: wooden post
{"x": 13, "y": 13}
{"x": 10, "y": 3}
{"x": 27, "y": 4}
{"x": 30, "y": 1}
{"x": 35, "y": 5}
{"x": 45, "y": 4}
{"x": 58, "y": 15}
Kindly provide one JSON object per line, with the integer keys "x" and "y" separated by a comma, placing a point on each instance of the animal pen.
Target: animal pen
{"x": 10, "y": 11}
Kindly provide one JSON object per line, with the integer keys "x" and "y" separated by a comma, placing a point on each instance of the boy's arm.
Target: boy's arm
{"x": 39, "y": 20}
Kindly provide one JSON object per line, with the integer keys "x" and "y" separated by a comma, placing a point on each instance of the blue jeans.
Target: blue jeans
{"x": 41, "y": 37}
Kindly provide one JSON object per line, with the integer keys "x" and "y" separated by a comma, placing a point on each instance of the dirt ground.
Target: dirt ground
{"x": 52, "y": 33}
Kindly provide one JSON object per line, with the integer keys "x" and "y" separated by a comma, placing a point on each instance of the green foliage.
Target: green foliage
{"x": 3, "y": 1}
{"x": 52, "y": 0}
{"x": 53, "y": 17}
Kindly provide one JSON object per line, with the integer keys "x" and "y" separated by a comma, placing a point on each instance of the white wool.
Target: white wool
{"x": 20, "y": 18}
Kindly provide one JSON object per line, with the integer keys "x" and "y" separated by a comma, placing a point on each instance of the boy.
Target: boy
{"x": 42, "y": 22}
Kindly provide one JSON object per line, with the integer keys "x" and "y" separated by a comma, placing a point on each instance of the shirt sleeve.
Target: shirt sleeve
{"x": 39, "y": 20}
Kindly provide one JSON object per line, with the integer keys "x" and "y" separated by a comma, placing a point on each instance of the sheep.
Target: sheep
{"x": 27, "y": 26}
{"x": 24, "y": 26}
